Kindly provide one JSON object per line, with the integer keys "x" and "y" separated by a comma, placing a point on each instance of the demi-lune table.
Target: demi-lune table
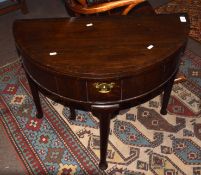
{"x": 102, "y": 64}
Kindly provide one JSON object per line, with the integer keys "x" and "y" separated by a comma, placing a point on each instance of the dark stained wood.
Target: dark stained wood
{"x": 166, "y": 95}
{"x": 72, "y": 113}
{"x": 102, "y": 68}
{"x": 35, "y": 94}
{"x": 100, "y": 54}
{"x": 104, "y": 115}
{"x": 95, "y": 96}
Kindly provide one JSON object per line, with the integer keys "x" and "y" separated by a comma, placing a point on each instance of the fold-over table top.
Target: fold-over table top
{"x": 101, "y": 47}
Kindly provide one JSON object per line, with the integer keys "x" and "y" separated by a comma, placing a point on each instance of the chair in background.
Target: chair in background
{"x": 105, "y": 7}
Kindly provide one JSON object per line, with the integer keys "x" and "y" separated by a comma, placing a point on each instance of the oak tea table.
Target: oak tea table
{"x": 102, "y": 64}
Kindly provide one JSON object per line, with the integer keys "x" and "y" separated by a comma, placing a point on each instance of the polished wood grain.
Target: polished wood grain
{"x": 102, "y": 64}
{"x": 100, "y": 49}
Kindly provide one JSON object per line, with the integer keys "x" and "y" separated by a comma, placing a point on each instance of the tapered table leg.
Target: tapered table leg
{"x": 166, "y": 95}
{"x": 104, "y": 135}
{"x": 35, "y": 95}
{"x": 104, "y": 115}
{"x": 72, "y": 113}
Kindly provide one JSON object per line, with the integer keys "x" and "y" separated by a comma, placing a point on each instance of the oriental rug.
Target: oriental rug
{"x": 141, "y": 141}
{"x": 192, "y": 7}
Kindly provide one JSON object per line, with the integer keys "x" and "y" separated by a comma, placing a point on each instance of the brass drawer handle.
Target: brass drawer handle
{"x": 104, "y": 87}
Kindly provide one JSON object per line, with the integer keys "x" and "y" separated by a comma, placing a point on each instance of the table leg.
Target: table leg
{"x": 23, "y": 5}
{"x": 72, "y": 113}
{"x": 35, "y": 95}
{"x": 104, "y": 135}
{"x": 166, "y": 95}
{"x": 104, "y": 115}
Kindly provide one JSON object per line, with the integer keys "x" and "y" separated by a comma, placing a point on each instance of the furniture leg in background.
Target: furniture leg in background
{"x": 72, "y": 113}
{"x": 7, "y": 6}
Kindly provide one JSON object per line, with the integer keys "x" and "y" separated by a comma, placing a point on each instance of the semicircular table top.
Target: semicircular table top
{"x": 101, "y": 47}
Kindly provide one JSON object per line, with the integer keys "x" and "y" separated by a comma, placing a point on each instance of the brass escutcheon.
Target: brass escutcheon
{"x": 104, "y": 87}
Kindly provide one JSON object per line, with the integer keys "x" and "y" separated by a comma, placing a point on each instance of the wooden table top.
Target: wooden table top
{"x": 99, "y": 47}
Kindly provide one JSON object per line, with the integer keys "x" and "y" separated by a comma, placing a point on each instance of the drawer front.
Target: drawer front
{"x": 60, "y": 84}
{"x": 71, "y": 88}
{"x": 104, "y": 91}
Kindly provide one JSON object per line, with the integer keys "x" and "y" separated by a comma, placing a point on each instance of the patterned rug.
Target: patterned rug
{"x": 142, "y": 142}
{"x": 192, "y": 7}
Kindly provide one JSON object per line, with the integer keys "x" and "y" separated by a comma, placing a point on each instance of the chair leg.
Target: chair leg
{"x": 24, "y": 8}
{"x": 180, "y": 79}
{"x": 68, "y": 9}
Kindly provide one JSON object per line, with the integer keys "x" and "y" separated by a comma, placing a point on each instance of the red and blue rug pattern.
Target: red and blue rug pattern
{"x": 141, "y": 141}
